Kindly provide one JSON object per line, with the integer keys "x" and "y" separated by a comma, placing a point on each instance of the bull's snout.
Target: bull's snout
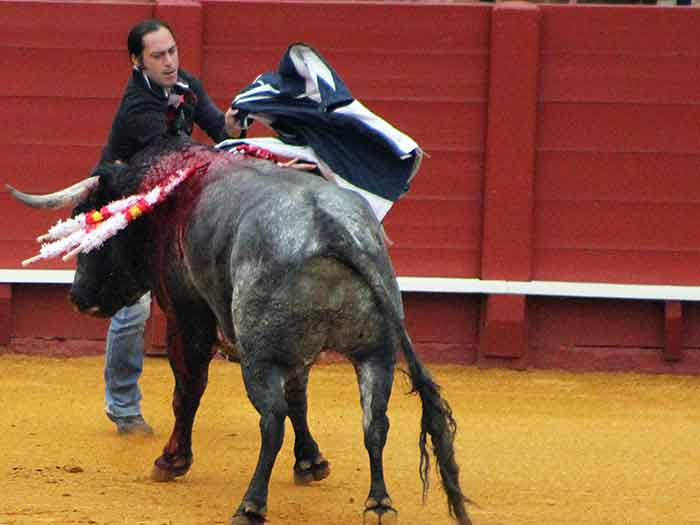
{"x": 83, "y": 307}
{"x": 93, "y": 311}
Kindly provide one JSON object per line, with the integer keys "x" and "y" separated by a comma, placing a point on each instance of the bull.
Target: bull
{"x": 285, "y": 265}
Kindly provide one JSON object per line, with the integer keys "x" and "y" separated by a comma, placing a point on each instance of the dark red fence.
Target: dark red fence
{"x": 564, "y": 144}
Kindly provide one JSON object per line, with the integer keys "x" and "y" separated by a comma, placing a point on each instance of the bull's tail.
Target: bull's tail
{"x": 436, "y": 421}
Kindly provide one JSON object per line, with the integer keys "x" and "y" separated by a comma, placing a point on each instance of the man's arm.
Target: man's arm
{"x": 208, "y": 116}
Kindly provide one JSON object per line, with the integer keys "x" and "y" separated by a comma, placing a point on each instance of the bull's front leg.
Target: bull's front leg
{"x": 190, "y": 349}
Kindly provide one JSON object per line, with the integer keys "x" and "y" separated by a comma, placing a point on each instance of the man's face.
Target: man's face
{"x": 160, "y": 61}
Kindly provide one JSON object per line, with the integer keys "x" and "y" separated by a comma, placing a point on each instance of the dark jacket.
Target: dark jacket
{"x": 145, "y": 114}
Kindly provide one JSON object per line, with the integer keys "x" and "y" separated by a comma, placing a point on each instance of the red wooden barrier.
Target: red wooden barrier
{"x": 564, "y": 146}
{"x": 618, "y": 146}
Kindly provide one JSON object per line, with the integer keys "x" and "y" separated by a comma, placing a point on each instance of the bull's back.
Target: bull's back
{"x": 293, "y": 216}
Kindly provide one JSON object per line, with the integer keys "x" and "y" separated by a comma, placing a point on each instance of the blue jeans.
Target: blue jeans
{"x": 124, "y": 358}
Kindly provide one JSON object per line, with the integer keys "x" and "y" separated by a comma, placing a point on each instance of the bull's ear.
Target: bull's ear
{"x": 112, "y": 177}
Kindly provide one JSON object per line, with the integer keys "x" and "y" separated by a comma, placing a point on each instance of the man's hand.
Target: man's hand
{"x": 298, "y": 165}
{"x": 233, "y": 127}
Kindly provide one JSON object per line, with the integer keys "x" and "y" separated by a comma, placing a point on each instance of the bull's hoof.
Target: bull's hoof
{"x": 305, "y": 471}
{"x": 167, "y": 468}
{"x": 249, "y": 514}
{"x": 379, "y": 512}
{"x": 160, "y": 475}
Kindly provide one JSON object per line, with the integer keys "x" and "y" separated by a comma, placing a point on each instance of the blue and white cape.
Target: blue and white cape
{"x": 317, "y": 119}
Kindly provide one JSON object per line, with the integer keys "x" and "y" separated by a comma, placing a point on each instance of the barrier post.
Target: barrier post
{"x": 673, "y": 340}
{"x": 5, "y": 314}
{"x": 509, "y": 178}
{"x": 157, "y": 333}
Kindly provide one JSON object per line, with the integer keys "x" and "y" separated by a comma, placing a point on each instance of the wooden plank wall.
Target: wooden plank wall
{"x": 65, "y": 70}
{"x": 618, "y": 146}
{"x": 616, "y": 200}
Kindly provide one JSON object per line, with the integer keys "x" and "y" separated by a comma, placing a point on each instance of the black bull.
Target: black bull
{"x": 286, "y": 265}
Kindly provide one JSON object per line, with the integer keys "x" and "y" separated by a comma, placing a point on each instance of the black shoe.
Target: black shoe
{"x": 131, "y": 424}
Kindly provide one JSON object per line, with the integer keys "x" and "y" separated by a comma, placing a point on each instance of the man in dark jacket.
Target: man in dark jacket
{"x": 159, "y": 99}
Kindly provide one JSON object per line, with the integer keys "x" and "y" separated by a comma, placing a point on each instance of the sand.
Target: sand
{"x": 535, "y": 447}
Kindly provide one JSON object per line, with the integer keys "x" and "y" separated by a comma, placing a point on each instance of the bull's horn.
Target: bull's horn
{"x": 61, "y": 199}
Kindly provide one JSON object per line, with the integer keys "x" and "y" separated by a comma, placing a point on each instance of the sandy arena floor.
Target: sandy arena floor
{"x": 542, "y": 448}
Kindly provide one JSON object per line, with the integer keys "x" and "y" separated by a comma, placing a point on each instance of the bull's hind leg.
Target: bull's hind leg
{"x": 310, "y": 464}
{"x": 264, "y": 384}
{"x": 190, "y": 348}
{"x": 375, "y": 375}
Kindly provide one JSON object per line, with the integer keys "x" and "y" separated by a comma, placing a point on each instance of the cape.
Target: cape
{"x": 311, "y": 109}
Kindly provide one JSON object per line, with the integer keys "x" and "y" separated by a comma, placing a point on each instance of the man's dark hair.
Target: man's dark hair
{"x": 135, "y": 40}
